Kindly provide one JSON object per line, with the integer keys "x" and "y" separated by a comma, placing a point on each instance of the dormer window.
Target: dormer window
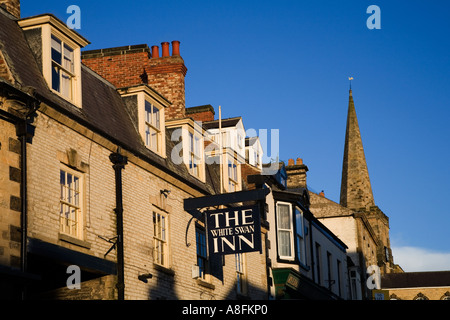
{"x": 58, "y": 52}
{"x": 62, "y": 68}
{"x": 189, "y": 149}
{"x": 146, "y": 108}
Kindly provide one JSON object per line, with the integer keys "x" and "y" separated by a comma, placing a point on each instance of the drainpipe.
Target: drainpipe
{"x": 119, "y": 161}
{"x": 25, "y": 132}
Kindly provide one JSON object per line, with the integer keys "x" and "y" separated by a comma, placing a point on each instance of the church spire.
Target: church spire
{"x": 356, "y": 191}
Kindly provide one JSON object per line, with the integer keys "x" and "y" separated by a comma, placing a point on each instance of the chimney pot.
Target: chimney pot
{"x": 165, "y": 49}
{"x": 155, "y": 52}
{"x": 175, "y": 48}
{"x": 290, "y": 162}
{"x": 299, "y": 161}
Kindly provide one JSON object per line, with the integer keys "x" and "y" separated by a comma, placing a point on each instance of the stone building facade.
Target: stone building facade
{"x": 103, "y": 196}
{"x": 356, "y": 220}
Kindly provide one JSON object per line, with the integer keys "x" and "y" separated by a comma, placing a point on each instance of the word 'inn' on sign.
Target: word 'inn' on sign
{"x": 234, "y": 230}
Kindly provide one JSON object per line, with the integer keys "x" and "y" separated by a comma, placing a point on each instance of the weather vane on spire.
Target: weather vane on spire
{"x": 350, "y": 79}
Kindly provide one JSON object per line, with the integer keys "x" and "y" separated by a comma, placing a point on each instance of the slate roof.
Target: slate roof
{"x": 229, "y": 122}
{"x": 416, "y": 279}
{"x": 103, "y": 110}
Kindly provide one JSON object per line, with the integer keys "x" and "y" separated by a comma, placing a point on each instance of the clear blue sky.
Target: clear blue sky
{"x": 285, "y": 65}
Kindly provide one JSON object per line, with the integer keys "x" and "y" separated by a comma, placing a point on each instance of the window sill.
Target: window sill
{"x": 163, "y": 269}
{"x": 70, "y": 100}
{"x": 205, "y": 284}
{"x": 75, "y": 241}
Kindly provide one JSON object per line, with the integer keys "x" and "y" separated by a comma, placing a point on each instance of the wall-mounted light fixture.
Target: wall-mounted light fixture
{"x": 165, "y": 192}
{"x": 145, "y": 276}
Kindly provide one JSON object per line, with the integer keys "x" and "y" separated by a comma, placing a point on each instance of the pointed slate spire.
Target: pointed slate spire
{"x": 356, "y": 191}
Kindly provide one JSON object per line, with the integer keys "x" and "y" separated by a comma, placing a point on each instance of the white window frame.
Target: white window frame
{"x": 52, "y": 26}
{"x": 48, "y": 64}
{"x": 289, "y": 231}
{"x": 202, "y": 253}
{"x": 233, "y": 175}
{"x": 241, "y": 274}
{"x": 144, "y": 94}
{"x": 65, "y": 68}
{"x": 161, "y": 238}
{"x": 300, "y": 236}
{"x": 195, "y": 154}
{"x": 71, "y": 222}
{"x": 152, "y": 127}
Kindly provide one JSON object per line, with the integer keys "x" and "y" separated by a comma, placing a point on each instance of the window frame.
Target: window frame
{"x": 195, "y": 154}
{"x": 145, "y": 94}
{"x": 50, "y": 25}
{"x": 150, "y": 127}
{"x": 300, "y": 236}
{"x": 339, "y": 276}
{"x": 233, "y": 179}
{"x": 62, "y": 69}
{"x": 241, "y": 274}
{"x": 290, "y": 231}
{"x": 48, "y": 32}
{"x": 330, "y": 280}
{"x": 161, "y": 252}
{"x": 63, "y": 202}
{"x": 202, "y": 260}
{"x": 318, "y": 262}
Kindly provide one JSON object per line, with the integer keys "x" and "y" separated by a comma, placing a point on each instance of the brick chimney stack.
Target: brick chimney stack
{"x": 201, "y": 113}
{"x": 12, "y": 6}
{"x": 166, "y": 75}
{"x": 296, "y": 172}
{"x": 123, "y": 67}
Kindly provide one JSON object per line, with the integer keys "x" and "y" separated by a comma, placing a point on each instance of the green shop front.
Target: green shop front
{"x": 291, "y": 284}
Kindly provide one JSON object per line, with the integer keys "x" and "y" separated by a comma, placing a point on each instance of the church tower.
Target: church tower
{"x": 356, "y": 190}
